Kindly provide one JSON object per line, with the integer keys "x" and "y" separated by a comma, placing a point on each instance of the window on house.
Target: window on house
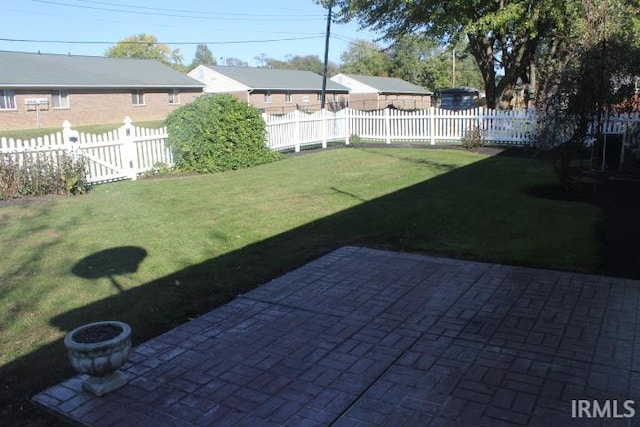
{"x": 137, "y": 97}
{"x": 287, "y": 97}
{"x": 60, "y": 99}
{"x": 7, "y": 99}
{"x": 174, "y": 96}
{"x": 267, "y": 97}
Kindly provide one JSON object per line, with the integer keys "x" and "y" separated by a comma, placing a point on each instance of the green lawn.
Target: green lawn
{"x": 208, "y": 238}
{"x": 102, "y": 128}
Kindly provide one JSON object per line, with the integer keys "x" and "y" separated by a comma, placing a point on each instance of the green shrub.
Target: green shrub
{"x": 217, "y": 133}
{"x": 40, "y": 174}
{"x": 473, "y": 138}
{"x": 355, "y": 139}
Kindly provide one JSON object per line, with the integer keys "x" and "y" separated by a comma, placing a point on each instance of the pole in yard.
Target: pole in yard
{"x": 453, "y": 68}
{"x": 326, "y": 58}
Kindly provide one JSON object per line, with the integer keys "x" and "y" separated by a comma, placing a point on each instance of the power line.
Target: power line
{"x": 358, "y": 42}
{"x": 113, "y": 21}
{"x": 172, "y": 15}
{"x": 189, "y": 11}
{"x": 167, "y": 43}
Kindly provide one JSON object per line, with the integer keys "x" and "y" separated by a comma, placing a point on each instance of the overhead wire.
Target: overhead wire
{"x": 113, "y": 21}
{"x": 173, "y": 15}
{"x": 217, "y": 42}
{"x": 187, "y": 10}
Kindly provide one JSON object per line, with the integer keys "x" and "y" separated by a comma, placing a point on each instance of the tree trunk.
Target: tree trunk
{"x": 516, "y": 65}
{"x": 481, "y": 48}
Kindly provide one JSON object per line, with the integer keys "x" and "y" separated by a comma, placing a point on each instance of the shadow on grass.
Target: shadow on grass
{"x": 460, "y": 205}
{"x": 110, "y": 262}
{"x": 555, "y": 191}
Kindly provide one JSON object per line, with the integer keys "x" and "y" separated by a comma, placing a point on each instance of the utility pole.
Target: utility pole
{"x": 453, "y": 68}
{"x": 326, "y": 58}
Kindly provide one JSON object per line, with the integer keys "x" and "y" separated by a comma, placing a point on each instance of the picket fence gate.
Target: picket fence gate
{"x": 123, "y": 153}
{"x": 129, "y": 151}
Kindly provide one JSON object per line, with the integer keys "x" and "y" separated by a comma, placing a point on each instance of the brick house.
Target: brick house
{"x": 273, "y": 91}
{"x": 376, "y": 93}
{"x": 43, "y": 90}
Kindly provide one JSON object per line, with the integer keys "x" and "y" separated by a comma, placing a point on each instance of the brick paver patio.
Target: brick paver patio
{"x": 364, "y": 337}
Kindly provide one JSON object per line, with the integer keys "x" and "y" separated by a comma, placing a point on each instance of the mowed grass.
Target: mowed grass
{"x": 209, "y": 238}
{"x": 98, "y": 129}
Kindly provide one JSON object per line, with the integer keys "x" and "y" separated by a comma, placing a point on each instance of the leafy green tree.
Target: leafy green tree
{"x": 598, "y": 43}
{"x": 307, "y": 63}
{"x": 217, "y": 133}
{"x": 410, "y": 57}
{"x": 234, "y": 62}
{"x": 589, "y": 69}
{"x": 277, "y": 64}
{"x": 437, "y": 71}
{"x": 203, "y": 56}
{"x": 145, "y": 46}
{"x": 365, "y": 57}
{"x": 466, "y": 69}
{"x": 311, "y": 63}
{"x": 420, "y": 60}
{"x": 503, "y": 35}
{"x": 261, "y": 59}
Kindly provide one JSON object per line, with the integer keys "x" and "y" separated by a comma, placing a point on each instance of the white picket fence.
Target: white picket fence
{"x": 128, "y": 151}
{"x": 123, "y": 153}
{"x": 431, "y": 126}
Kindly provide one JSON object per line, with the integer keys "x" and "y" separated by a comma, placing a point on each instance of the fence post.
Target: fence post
{"x": 296, "y": 130}
{"x": 267, "y": 127}
{"x": 387, "y": 126}
{"x": 480, "y": 122}
{"x": 345, "y": 111}
{"x": 70, "y": 139}
{"x": 323, "y": 115}
{"x": 126, "y": 134}
{"x": 432, "y": 125}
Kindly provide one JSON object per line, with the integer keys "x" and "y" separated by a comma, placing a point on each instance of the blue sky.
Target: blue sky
{"x": 231, "y": 28}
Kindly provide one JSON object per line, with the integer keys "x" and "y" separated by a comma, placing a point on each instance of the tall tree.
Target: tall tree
{"x": 203, "y": 56}
{"x": 261, "y": 59}
{"x": 420, "y": 60}
{"x": 467, "y": 72}
{"x": 145, "y": 46}
{"x": 311, "y": 63}
{"x": 587, "y": 70}
{"x": 365, "y": 57}
{"x": 410, "y": 56}
{"x": 503, "y": 35}
{"x": 234, "y": 62}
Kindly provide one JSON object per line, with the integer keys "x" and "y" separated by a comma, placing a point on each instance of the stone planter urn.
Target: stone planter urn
{"x": 99, "y": 349}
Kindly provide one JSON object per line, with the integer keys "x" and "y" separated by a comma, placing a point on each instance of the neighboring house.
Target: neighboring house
{"x": 44, "y": 90}
{"x": 375, "y": 93}
{"x": 272, "y": 91}
{"x": 459, "y": 98}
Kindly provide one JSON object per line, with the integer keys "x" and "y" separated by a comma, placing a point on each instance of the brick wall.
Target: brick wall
{"x": 280, "y": 105}
{"x": 91, "y": 107}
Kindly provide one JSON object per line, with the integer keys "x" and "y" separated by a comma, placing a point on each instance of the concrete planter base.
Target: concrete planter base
{"x": 99, "y": 349}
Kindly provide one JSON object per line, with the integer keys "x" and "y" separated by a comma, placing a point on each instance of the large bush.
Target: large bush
{"x": 218, "y": 133}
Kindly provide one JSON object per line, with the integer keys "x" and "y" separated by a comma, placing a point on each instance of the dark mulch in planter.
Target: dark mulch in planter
{"x": 96, "y": 333}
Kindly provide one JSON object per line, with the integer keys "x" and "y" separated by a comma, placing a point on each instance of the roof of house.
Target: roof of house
{"x": 277, "y": 79}
{"x": 460, "y": 91}
{"x": 21, "y": 69}
{"x": 389, "y": 84}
